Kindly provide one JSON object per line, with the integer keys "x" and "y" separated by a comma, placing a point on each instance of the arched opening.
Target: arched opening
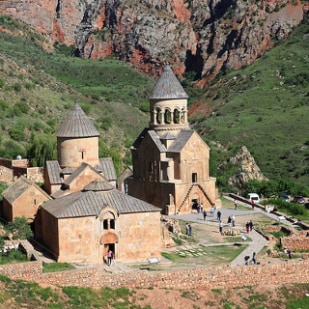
{"x": 167, "y": 116}
{"x": 176, "y": 116}
{"x": 159, "y": 116}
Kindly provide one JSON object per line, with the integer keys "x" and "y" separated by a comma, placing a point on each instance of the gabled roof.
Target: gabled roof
{"x": 20, "y": 186}
{"x": 78, "y": 171}
{"x": 108, "y": 168}
{"x": 91, "y": 203}
{"x": 155, "y": 138}
{"x": 180, "y": 141}
{"x": 168, "y": 86}
{"x": 77, "y": 124}
{"x": 53, "y": 171}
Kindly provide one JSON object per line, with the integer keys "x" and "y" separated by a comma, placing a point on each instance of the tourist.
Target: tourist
{"x": 205, "y": 214}
{"x": 229, "y": 220}
{"x": 221, "y": 227}
{"x": 202, "y": 208}
{"x": 190, "y": 230}
{"x": 219, "y": 215}
{"x": 251, "y": 225}
{"x": 110, "y": 256}
{"x": 235, "y": 203}
{"x": 252, "y": 203}
{"x": 233, "y": 220}
{"x": 247, "y": 258}
{"x": 254, "y": 258}
{"x": 187, "y": 229}
{"x": 247, "y": 227}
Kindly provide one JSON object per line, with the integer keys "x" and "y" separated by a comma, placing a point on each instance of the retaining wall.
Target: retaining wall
{"x": 209, "y": 277}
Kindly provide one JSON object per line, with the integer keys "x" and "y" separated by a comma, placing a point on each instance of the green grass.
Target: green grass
{"x": 212, "y": 255}
{"x": 54, "y": 267}
{"x": 13, "y": 256}
{"x": 265, "y": 106}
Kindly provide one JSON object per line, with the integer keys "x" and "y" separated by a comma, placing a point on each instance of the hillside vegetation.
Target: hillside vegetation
{"x": 263, "y": 106}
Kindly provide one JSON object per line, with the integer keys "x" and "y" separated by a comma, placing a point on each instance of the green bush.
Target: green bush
{"x": 20, "y": 228}
{"x": 17, "y": 134}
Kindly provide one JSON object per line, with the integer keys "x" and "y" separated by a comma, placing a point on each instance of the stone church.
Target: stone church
{"x": 88, "y": 216}
{"x": 170, "y": 160}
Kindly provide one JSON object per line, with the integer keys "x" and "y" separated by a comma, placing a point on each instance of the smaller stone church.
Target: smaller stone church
{"x": 88, "y": 216}
{"x": 170, "y": 160}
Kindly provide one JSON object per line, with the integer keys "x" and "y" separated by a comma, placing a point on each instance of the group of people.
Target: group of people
{"x": 247, "y": 259}
{"x": 249, "y": 226}
{"x": 231, "y": 220}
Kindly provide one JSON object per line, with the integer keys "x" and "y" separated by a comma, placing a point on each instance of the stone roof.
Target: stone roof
{"x": 168, "y": 87}
{"x": 77, "y": 124}
{"x": 78, "y": 171}
{"x": 108, "y": 168}
{"x": 91, "y": 203}
{"x": 180, "y": 141}
{"x": 53, "y": 171}
{"x": 19, "y": 187}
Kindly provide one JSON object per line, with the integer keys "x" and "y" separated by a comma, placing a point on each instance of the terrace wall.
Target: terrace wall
{"x": 209, "y": 277}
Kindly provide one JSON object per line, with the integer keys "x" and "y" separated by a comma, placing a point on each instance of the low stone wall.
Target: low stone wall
{"x": 296, "y": 242}
{"x": 209, "y": 277}
{"x": 30, "y": 271}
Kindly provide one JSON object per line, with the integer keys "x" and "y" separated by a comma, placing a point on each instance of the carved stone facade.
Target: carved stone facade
{"x": 171, "y": 161}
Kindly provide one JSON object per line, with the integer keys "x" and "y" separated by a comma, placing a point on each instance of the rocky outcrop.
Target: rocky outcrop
{"x": 202, "y": 36}
{"x": 248, "y": 169}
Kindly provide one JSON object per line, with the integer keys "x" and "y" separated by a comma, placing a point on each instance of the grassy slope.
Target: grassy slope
{"x": 265, "y": 106}
{"x": 110, "y": 92}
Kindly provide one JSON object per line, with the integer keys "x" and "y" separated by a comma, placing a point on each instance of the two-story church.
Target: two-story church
{"x": 170, "y": 160}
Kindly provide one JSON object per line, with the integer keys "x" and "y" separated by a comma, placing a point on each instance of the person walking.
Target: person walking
{"x": 254, "y": 258}
{"x": 251, "y": 225}
{"x": 110, "y": 256}
{"x": 235, "y": 203}
{"x": 190, "y": 230}
{"x": 221, "y": 227}
{"x": 219, "y": 215}
{"x": 205, "y": 214}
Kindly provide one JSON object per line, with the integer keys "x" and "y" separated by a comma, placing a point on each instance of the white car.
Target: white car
{"x": 253, "y": 196}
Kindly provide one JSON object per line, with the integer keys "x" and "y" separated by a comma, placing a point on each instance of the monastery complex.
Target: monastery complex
{"x": 80, "y": 214}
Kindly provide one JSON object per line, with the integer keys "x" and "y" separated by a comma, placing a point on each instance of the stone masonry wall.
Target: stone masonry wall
{"x": 296, "y": 242}
{"x": 208, "y": 277}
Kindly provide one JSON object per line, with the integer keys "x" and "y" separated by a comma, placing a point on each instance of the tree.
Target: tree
{"x": 20, "y": 228}
{"x": 43, "y": 148}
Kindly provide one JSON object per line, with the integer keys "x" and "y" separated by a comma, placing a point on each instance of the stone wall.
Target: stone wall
{"x": 208, "y": 277}
{"x": 296, "y": 242}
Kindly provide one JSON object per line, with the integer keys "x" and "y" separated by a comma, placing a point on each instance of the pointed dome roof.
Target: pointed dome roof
{"x": 77, "y": 124}
{"x": 168, "y": 86}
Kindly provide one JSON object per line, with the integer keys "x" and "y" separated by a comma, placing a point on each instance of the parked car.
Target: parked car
{"x": 299, "y": 199}
{"x": 253, "y": 196}
{"x": 284, "y": 196}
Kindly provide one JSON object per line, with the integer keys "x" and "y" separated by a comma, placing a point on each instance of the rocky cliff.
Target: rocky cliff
{"x": 202, "y": 36}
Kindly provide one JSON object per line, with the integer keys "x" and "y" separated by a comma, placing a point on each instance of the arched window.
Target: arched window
{"x": 109, "y": 221}
{"x": 159, "y": 115}
{"x": 176, "y": 116}
{"x": 167, "y": 116}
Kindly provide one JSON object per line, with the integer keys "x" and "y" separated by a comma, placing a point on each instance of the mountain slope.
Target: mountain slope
{"x": 202, "y": 36}
{"x": 264, "y": 106}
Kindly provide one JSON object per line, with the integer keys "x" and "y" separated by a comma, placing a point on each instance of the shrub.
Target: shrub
{"x": 20, "y": 228}
{"x": 17, "y": 134}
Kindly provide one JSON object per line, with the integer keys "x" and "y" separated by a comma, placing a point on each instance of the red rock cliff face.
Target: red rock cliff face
{"x": 204, "y": 36}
